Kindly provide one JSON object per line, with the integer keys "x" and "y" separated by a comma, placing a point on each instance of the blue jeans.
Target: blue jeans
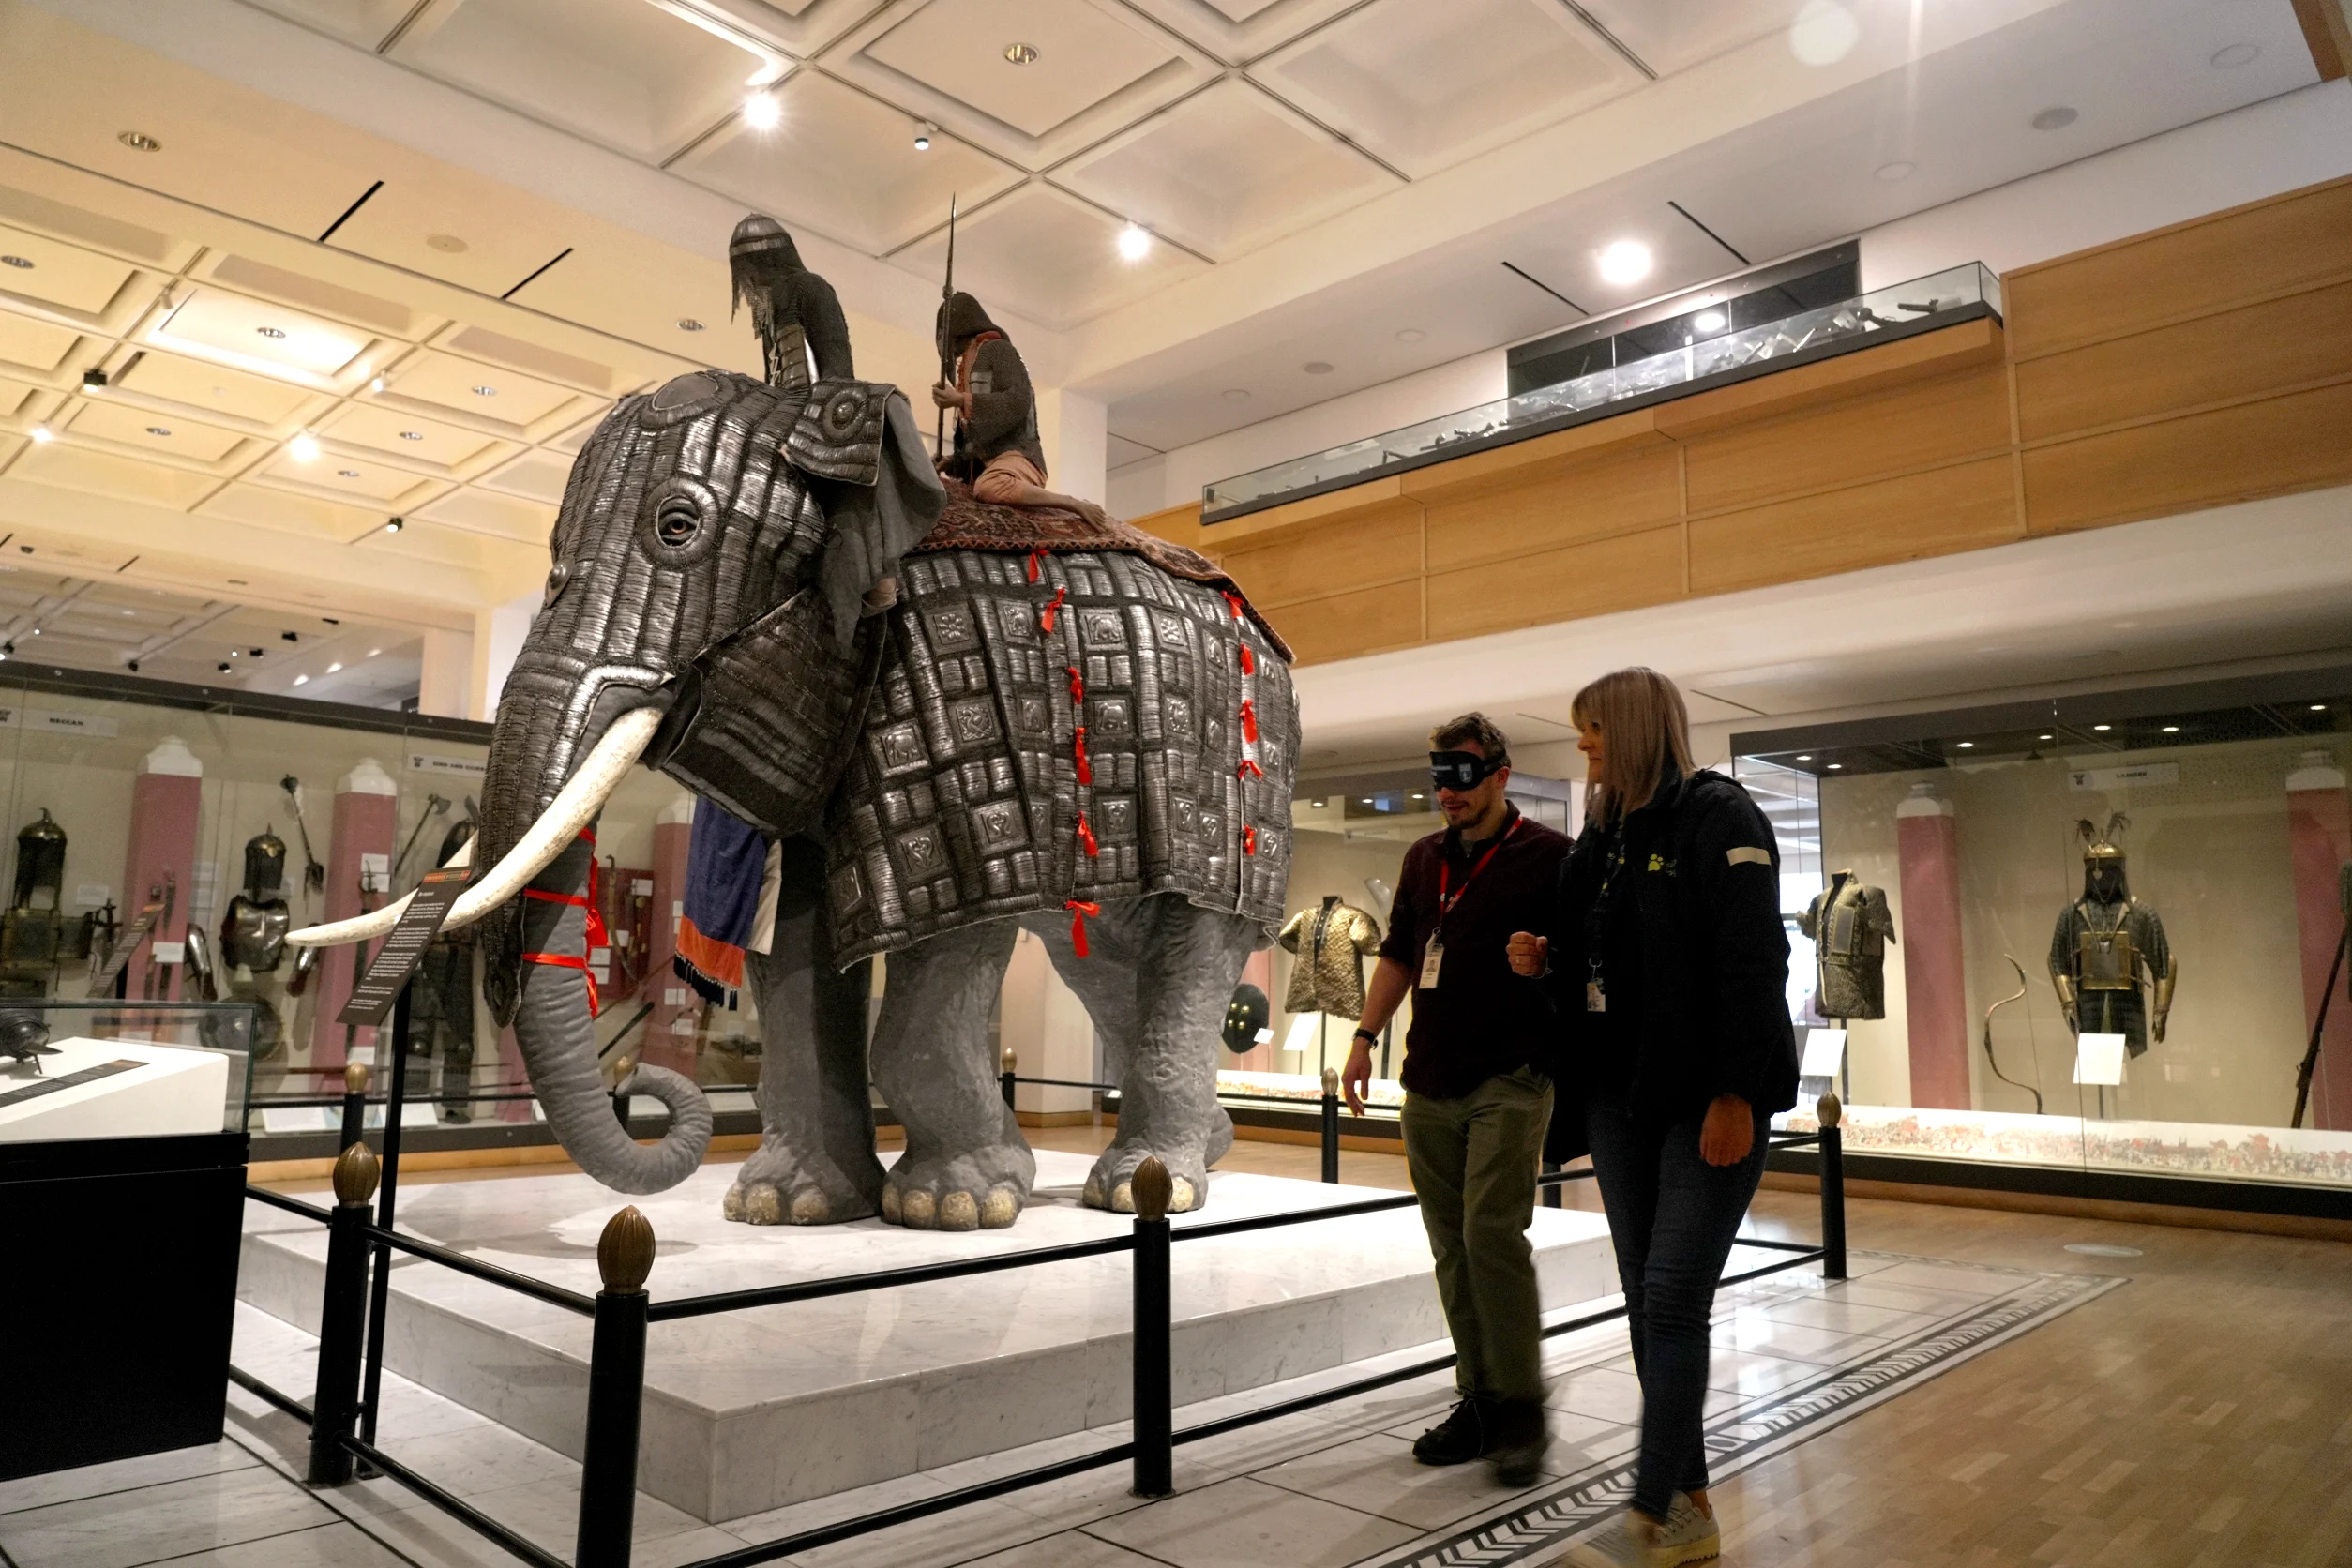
{"x": 1672, "y": 1217}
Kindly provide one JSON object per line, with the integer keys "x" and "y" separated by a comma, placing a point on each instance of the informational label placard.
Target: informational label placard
{"x": 375, "y": 873}
{"x": 434, "y": 762}
{"x": 15, "y": 717}
{"x": 89, "y": 895}
{"x": 169, "y": 952}
{"x": 2099, "y": 1060}
{"x": 371, "y": 999}
{"x": 1825, "y": 1052}
{"x": 2119, "y": 778}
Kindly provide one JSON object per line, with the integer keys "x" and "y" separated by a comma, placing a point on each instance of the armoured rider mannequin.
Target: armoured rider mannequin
{"x": 1850, "y": 925}
{"x": 796, "y": 312}
{"x": 2103, "y": 942}
{"x": 996, "y": 448}
{"x": 254, "y": 947}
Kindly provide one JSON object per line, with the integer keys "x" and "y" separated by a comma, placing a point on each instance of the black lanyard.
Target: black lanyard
{"x": 1596, "y": 919}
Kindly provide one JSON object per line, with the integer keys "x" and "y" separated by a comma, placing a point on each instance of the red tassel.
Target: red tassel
{"x": 1247, "y": 768}
{"x": 1249, "y": 840}
{"x": 1045, "y": 617}
{"x": 1086, "y": 837}
{"x": 1249, "y": 720}
{"x": 1235, "y": 600}
{"x": 1085, "y": 768}
{"x": 1079, "y": 912}
{"x": 1035, "y": 557}
{"x": 1249, "y": 664}
{"x": 1077, "y": 684}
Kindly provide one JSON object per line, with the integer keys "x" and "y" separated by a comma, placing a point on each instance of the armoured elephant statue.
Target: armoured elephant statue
{"x": 956, "y": 726}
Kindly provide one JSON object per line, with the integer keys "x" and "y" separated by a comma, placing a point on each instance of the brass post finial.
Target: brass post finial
{"x": 1826, "y": 1110}
{"x": 622, "y": 1067}
{"x": 1152, "y": 1188}
{"x": 625, "y": 1253}
{"x": 354, "y": 1078}
{"x": 1010, "y": 1061}
{"x": 355, "y": 1174}
{"x": 1330, "y": 1080}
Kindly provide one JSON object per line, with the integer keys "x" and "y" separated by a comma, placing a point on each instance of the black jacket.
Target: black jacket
{"x": 1702, "y": 870}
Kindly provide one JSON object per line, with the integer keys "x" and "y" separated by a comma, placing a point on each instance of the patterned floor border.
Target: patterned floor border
{"x": 1538, "y": 1527}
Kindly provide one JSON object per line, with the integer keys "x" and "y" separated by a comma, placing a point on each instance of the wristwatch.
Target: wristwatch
{"x": 1367, "y": 1035}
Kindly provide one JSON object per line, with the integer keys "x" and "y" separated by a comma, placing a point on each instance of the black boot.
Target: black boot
{"x": 1458, "y": 1440}
{"x": 1516, "y": 1437}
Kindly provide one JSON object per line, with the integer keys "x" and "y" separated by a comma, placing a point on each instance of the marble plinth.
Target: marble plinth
{"x": 751, "y": 1410}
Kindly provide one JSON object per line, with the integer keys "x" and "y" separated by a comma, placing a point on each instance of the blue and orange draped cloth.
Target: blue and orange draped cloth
{"x": 731, "y": 874}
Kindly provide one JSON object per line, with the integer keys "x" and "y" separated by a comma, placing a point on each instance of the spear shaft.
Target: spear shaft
{"x": 946, "y": 343}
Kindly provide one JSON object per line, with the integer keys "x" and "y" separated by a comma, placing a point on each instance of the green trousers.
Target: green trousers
{"x": 1473, "y": 1163}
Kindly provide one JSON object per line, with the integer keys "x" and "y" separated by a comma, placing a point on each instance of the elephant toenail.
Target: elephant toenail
{"x": 918, "y": 1208}
{"x": 1123, "y": 1200}
{"x": 733, "y": 1205}
{"x": 959, "y": 1211}
{"x": 1179, "y": 1196}
{"x": 762, "y": 1205}
{"x": 1003, "y": 1206}
{"x": 811, "y": 1208}
{"x": 891, "y": 1204}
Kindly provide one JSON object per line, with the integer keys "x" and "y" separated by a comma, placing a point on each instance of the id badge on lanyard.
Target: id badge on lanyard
{"x": 1432, "y": 957}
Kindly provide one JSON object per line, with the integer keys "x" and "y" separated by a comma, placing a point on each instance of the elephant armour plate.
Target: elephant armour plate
{"x": 963, "y": 801}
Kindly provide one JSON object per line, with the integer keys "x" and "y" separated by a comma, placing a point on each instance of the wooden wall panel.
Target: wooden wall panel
{"x": 1330, "y": 558}
{"x": 1969, "y": 507}
{"x": 1595, "y": 500}
{"x": 2284, "y": 342}
{"x": 1347, "y": 626}
{"x": 2302, "y": 442}
{"x": 2290, "y": 242}
{"x": 1567, "y": 584}
{"x": 1910, "y": 427}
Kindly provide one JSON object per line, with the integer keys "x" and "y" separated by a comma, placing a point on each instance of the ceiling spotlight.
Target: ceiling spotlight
{"x": 158, "y": 429}
{"x": 2103, "y": 729}
{"x": 1627, "y": 260}
{"x": 94, "y": 381}
{"x": 1835, "y": 767}
{"x": 412, "y": 435}
{"x": 2315, "y": 707}
{"x": 232, "y": 653}
{"x": 257, "y": 653}
{"x": 1317, "y": 366}
{"x": 923, "y": 130}
{"x": 1710, "y": 321}
{"x": 347, "y": 473}
{"x": 304, "y": 448}
{"x": 375, "y": 383}
{"x": 1823, "y": 32}
{"x": 393, "y": 526}
{"x": 1900, "y": 169}
{"x": 2056, "y": 118}
{"x": 299, "y": 680}
{"x": 224, "y": 669}
{"x": 1021, "y": 53}
{"x": 486, "y": 391}
{"x": 373, "y": 652}
{"x": 760, "y": 112}
{"x": 2172, "y": 729}
{"x": 1135, "y": 243}
{"x": 1967, "y": 745}
{"x": 289, "y": 637}
{"x": 333, "y": 668}
{"x": 17, "y": 262}
{"x": 42, "y": 436}
{"x": 2045, "y": 737}
{"x": 2235, "y": 55}
{"x": 1805, "y": 757}
{"x": 139, "y": 141}
{"x": 134, "y": 666}
{"x": 271, "y": 332}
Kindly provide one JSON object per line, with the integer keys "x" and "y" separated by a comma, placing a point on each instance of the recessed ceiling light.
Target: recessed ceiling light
{"x": 371, "y": 653}
{"x": 2056, "y": 118}
{"x": 1021, "y": 53}
{"x": 139, "y": 141}
{"x": 2235, "y": 55}
{"x": 1410, "y": 335}
{"x": 1235, "y": 394}
{"x": 375, "y": 383}
{"x": 1421, "y": 797}
{"x": 1900, "y": 169}
{"x": 1135, "y": 243}
{"x": 271, "y": 332}
{"x": 688, "y": 324}
{"x": 412, "y": 435}
{"x": 17, "y": 262}
{"x": 42, "y": 436}
{"x": 1806, "y": 758}
{"x": 347, "y": 473}
{"x": 303, "y": 448}
{"x": 486, "y": 391}
{"x": 1835, "y": 766}
{"x": 760, "y": 112}
{"x": 923, "y": 130}
{"x": 1317, "y": 366}
{"x": 1967, "y": 745}
{"x": 2045, "y": 737}
{"x": 232, "y": 653}
{"x": 1364, "y": 800}
{"x": 1626, "y": 261}
{"x": 302, "y": 680}
{"x": 2315, "y": 707}
{"x": 2172, "y": 729}
{"x": 1823, "y": 32}
{"x": 448, "y": 245}
{"x": 333, "y": 668}
{"x": 1710, "y": 321}
{"x": 2103, "y": 729}
{"x": 158, "y": 429}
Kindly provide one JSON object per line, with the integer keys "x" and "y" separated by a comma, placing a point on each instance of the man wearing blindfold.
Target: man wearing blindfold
{"x": 1478, "y": 1094}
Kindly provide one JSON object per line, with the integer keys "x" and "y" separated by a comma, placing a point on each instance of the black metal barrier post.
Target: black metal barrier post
{"x": 1331, "y": 1124}
{"x": 1551, "y": 1194}
{"x": 616, "y": 1394}
{"x": 1829, "y": 1112}
{"x": 1008, "y": 1064}
{"x": 1154, "y": 1381}
{"x": 354, "y": 1104}
{"x": 334, "y": 1404}
{"x": 380, "y": 1287}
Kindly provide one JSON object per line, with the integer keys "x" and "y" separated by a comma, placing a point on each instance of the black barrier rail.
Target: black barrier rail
{"x": 342, "y": 1413}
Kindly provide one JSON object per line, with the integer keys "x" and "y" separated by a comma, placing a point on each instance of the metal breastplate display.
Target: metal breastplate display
{"x": 253, "y": 934}
{"x": 963, "y": 802}
{"x": 2104, "y": 958}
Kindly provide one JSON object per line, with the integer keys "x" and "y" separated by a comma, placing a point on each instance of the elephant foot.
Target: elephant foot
{"x": 979, "y": 1191}
{"x": 779, "y": 1185}
{"x": 1110, "y": 1184}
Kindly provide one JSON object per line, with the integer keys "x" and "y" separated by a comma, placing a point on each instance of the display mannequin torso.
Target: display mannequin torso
{"x": 1331, "y": 942}
{"x": 1850, "y": 925}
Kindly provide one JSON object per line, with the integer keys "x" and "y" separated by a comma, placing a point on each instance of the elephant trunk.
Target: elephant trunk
{"x": 556, "y": 1032}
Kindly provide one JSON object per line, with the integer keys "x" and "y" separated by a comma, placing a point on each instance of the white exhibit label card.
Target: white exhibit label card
{"x": 1825, "y": 1052}
{"x": 2117, "y": 779}
{"x": 2099, "y": 1060}
{"x": 89, "y": 895}
{"x": 169, "y": 952}
{"x": 375, "y": 873}
{"x": 434, "y": 762}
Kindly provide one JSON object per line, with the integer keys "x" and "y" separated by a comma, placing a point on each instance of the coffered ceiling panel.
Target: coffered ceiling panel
{"x": 1226, "y": 170}
{"x": 1239, "y": 31}
{"x": 1672, "y": 34}
{"x": 356, "y": 481}
{"x": 1080, "y": 54}
{"x": 214, "y": 387}
{"x": 479, "y": 391}
{"x": 475, "y": 245}
{"x": 498, "y": 515}
{"x": 1566, "y": 253}
{"x": 1423, "y": 87}
{"x": 36, "y": 267}
{"x": 14, "y": 395}
{"x": 365, "y": 22}
{"x": 405, "y": 438}
{"x": 163, "y": 435}
{"x": 37, "y": 346}
{"x": 72, "y": 466}
{"x": 534, "y": 476}
{"x": 846, "y": 165}
{"x": 292, "y": 512}
{"x": 1047, "y": 255}
{"x": 639, "y": 78}
{"x": 268, "y": 338}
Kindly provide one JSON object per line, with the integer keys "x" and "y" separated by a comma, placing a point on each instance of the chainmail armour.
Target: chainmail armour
{"x": 1850, "y": 926}
{"x": 1332, "y": 942}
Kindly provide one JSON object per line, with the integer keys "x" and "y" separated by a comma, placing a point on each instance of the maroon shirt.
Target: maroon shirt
{"x": 1481, "y": 1020}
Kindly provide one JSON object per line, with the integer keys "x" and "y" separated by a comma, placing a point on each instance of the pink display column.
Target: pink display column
{"x": 164, "y": 800}
{"x": 359, "y": 845}
{"x": 2319, "y": 837}
{"x": 670, "y": 1029}
{"x": 1934, "y": 981}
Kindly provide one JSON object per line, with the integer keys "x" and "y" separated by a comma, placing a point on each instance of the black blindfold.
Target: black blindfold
{"x": 1461, "y": 770}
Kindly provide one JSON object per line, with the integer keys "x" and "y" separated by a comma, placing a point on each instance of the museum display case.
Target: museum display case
{"x": 2092, "y": 943}
{"x": 1715, "y": 351}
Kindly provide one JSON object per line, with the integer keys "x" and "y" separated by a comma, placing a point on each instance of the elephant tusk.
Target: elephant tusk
{"x": 367, "y": 928}
{"x": 574, "y": 807}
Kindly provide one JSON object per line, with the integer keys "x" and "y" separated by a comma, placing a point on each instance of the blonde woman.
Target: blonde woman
{"x": 1669, "y": 967}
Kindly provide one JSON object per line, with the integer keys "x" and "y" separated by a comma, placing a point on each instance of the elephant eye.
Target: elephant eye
{"x": 676, "y": 521}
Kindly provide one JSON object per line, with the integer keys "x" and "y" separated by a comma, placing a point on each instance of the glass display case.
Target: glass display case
{"x": 1715, "y": 353}
{"x": 2097, "y": 936}
{"x": 76, "y": 1070}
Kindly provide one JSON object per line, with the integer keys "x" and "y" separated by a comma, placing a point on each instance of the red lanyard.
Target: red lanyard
{"x": 1445, "y": 871}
